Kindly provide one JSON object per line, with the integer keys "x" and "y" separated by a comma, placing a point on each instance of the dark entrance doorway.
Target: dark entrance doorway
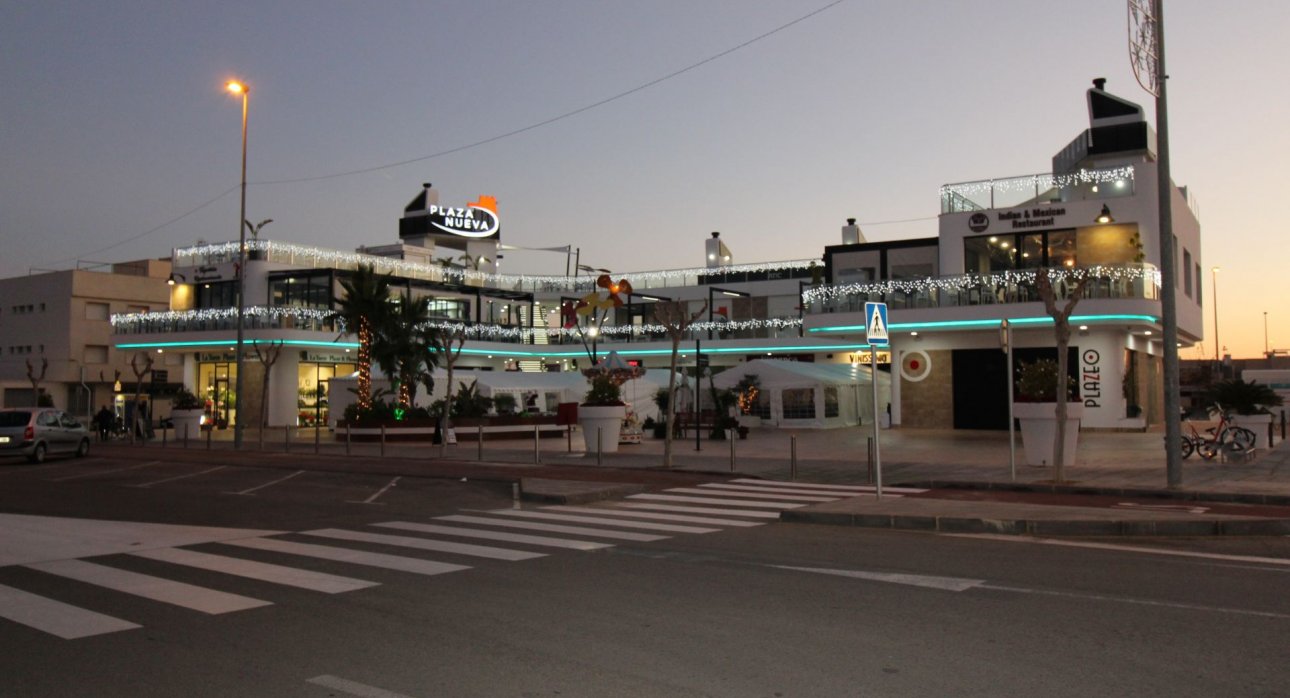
{"x": 980, "y": 383}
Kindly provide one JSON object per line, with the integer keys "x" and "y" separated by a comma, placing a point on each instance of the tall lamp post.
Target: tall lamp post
{"x": 239, "y": 88}
{"x": 1214, "y": 292}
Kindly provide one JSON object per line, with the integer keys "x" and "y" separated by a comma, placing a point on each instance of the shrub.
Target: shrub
{"x": 1245, "y": 398}
{"x": 1038, "y": 382}
{"x": 185, "y": 400}
{"x": 505, "y": 403}
{"x": 603, "y": 391}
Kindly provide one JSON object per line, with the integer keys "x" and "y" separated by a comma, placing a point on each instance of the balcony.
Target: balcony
{"x": 1038, "y": 189}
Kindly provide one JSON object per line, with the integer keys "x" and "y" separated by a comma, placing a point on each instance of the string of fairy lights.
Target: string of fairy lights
{"x": 967, "y": 282}
{"x": 210, "y": 253}
{"x": 1041, "y": 182}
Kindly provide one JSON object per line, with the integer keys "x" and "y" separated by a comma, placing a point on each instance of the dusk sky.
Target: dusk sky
{"x": 116, "y": 122}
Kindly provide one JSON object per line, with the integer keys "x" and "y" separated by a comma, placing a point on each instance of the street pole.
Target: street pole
{"x": 1214, "y": 292}
{"x": 239, "y": 88}
{"x": 1012, "y": 428}
{"x": 877, "y": 457}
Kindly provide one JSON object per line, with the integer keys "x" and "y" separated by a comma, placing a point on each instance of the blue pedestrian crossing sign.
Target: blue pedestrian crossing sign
{"x": 875, "y": 326}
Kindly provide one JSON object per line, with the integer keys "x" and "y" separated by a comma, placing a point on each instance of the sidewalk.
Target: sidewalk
{"x": 1128, "y": 466}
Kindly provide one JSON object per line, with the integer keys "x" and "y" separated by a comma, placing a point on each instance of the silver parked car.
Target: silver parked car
{"x": 36, "y": 432}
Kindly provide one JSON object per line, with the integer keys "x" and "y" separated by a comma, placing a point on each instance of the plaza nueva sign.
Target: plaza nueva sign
{"x": 475, "y": 220}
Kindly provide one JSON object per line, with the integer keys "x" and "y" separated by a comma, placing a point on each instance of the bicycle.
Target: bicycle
{"x": 1231, "y": 436}
{"x": 1195, "y": 443}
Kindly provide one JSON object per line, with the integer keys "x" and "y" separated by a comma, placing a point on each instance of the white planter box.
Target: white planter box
{"x": 1039, "y": 430}
{"x": 191, "y": 420}
{"x": 606, "y": 420}
{"x": 1257, "y": 423}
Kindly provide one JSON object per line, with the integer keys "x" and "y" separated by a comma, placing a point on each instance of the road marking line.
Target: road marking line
{"x": 426, "y": 544}
{"x": 1138, "y": 602}
{"x": 181, "y": 477}
{"x": 96, "y": 473}
{"x": 750, "y": 495}
{"x": 1124, "y": 548}
{"x": 168, "y": 591}
{"x": 1164, "y": 507}
{"x": 838, "y": 488}
{"x": 553, "y": 528}
{"x": 604, "y": 511}
{"x": 704, "y": 500}
{"x": 55, "y": 617}
{"x": 372, "y": 499}
{"x": 832, "y": 494}
{"x": 916, "y": 580}
{"x": 263, "y": 571}
{"x": 356, "y": 557}
{"x": 267, "y": 484}
{"x": 353, "y": 688}
{"x": 701, "y": 510}
{"x": 670, "y": 528}
{"x": 497, "y": 535}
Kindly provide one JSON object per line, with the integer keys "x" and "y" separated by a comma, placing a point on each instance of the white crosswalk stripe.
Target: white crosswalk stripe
{"x": 55, "y": 617}
{"x": 701, "y": 510}
{"x": 527, "y": 539}
{"x": 263, "y": 571}
{"x": 149, "y": 587}
{"x": 843, "y": 490}
{"x": 708, "y": 492}
{"x": 356, "y": 557}
{"x": 714, "y": 500}
{"x": 656, "y": 516}
{"x": 484, "y": 551}
{"x": 669, "y": 528}
{"x": 554, "y": 528}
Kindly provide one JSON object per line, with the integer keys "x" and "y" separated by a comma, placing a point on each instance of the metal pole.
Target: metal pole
{"x": 515, "y": 495}
{"x": 382, "y": 440}
{"x": 185, "y": 436}
{"x": 286, "y": 438}
{"x": 262, "y": 430}
{"x": 868, "y": 452}
{"x": 731, "y": 436}
{"x": 241, "y": 280}
{"x": 1213, "y": 293}
{"x": 1012, "y": 428}
{"x": 537, "y": 444}
{"x": 166, "y": 430}
{"x": 792, "y": 457}
{"x": 877, "y": 456}
{"x": 317, "y": 437}
{"x": 698, "y": 378}
{"x": 347, "y": 438}
{"x": 208, "y": 438}
{"x": 479, "y": 442}
{"x": 600, "y": 445}
{"x": 1168, "y": 303}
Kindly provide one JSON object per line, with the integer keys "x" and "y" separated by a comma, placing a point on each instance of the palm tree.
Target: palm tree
{"x": 404, "y": 344}
{"x": 364, "y": 309}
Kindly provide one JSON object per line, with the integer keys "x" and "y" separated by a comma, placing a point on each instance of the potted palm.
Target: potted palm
{"x": 186, "y": 410}
{"x": 1248, "y": 402}
{"x": 1036, "y": 409}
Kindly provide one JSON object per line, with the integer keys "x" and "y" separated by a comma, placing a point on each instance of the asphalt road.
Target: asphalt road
{"x": 739, "y": 610}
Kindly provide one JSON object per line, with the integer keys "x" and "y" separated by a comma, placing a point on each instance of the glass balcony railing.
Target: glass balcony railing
{"x": 1084, "y": 185}
{"x": 1134, "y": 281}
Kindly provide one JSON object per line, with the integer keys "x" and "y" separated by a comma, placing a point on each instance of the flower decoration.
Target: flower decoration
{"x": 592, "y": 302}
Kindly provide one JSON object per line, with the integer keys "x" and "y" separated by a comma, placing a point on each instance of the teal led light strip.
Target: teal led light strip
{"x": 990, "y": 323}
{"x": 225, "y": 343}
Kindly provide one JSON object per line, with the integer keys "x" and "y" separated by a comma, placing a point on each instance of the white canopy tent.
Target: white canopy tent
{"x": 811, "y": 395}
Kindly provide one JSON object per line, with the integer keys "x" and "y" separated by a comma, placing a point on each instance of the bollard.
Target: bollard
{"x": 600, "y": 445}
{"x": 208, "y": 437}
{"x": 732, "y": 451}
{"x": 286, "y": 439}
{"x": 570, "y": 438}
{"x": 870, "y": 455}
{"x": 317, "y": 438}
{"x": 537, "y": 445}
{"x": 261, "y": 437}
{"x": 185, "y": 437}
{"x": 347, "y": 438}
{"x": 479, "y": 442}
{"x": 792, "y": 454}
{"x": 382, "y": 440}
{"x": 1269, "y": 434}
{"x": 1283, "y": 425}
{"x": 515, "y": 495}
{"x": 166, "y": 430}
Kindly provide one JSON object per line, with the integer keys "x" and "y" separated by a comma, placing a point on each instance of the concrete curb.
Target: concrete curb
{"x": 1040, "y": 527}
{"x": 1176, "y": 495}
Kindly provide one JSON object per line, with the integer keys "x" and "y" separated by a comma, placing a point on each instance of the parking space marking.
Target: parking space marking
{"x": 373, "y": 498}
{"x": 248, "y": 492}
{"x": 96, "y": 473}
{"x": 181, "y": 477}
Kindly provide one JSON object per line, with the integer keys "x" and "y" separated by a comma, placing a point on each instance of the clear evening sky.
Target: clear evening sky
{"x": 115, "y": 121}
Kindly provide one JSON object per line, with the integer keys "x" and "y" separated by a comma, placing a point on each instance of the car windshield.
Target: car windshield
{"x": 14, "y": 419}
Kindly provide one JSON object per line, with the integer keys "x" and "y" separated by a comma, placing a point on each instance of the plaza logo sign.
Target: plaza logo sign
{"x": 477, "y": 219}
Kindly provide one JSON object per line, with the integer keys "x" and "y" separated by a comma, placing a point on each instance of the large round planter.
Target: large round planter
{"x": 1039, "y": 430}
{"x": 607, "y": 420}
{"x": 1257, "y": 423}
{"x": 190, "y": 420}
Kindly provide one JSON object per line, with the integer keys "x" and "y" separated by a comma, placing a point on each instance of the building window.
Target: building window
{"x": 799, "y": 403}
{"x": 301, "y": 290}
{"x": 830, "y": 401}
{"x": 217, "y": 294}
{"x": 1198, "y": 277}
{"x": 95, "y": 354}
{"x": 97, "y": 311}
{"x": 1187, "y": 272}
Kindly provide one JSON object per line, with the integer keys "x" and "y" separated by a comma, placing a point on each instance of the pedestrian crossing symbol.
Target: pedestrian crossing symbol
{"x": 876, "y": 324}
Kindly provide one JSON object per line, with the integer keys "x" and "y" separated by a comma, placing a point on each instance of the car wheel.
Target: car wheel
{"x": 37, "y": 454}
{"x": 84, "y": 449}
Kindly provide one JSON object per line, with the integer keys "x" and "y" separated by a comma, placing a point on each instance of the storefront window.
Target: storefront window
{"x": 799, "y": 403}
{"x": 215, "y": 385}
{"x": 1061, "y": 248}
{"x": 989, "y": 254}
{"x": 313, "y": 391}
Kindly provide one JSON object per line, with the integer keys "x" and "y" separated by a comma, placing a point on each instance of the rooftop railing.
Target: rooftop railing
{"x": 1037, "y": 189}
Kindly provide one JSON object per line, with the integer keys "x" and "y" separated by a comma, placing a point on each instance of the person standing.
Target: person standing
{"x": 103, "y": 420}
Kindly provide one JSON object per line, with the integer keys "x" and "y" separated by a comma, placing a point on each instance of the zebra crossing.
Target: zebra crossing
{"x": 499, "y": 535}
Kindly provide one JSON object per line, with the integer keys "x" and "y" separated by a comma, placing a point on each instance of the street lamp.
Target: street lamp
{"x": 1214, "y": 293}
{"x": 1265, "y": 335}
{"x": 712, "y": 291}
{"x": 239, "y": 88}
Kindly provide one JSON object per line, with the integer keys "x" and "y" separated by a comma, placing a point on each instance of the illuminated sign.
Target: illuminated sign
{"x": 475, "y": 220}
